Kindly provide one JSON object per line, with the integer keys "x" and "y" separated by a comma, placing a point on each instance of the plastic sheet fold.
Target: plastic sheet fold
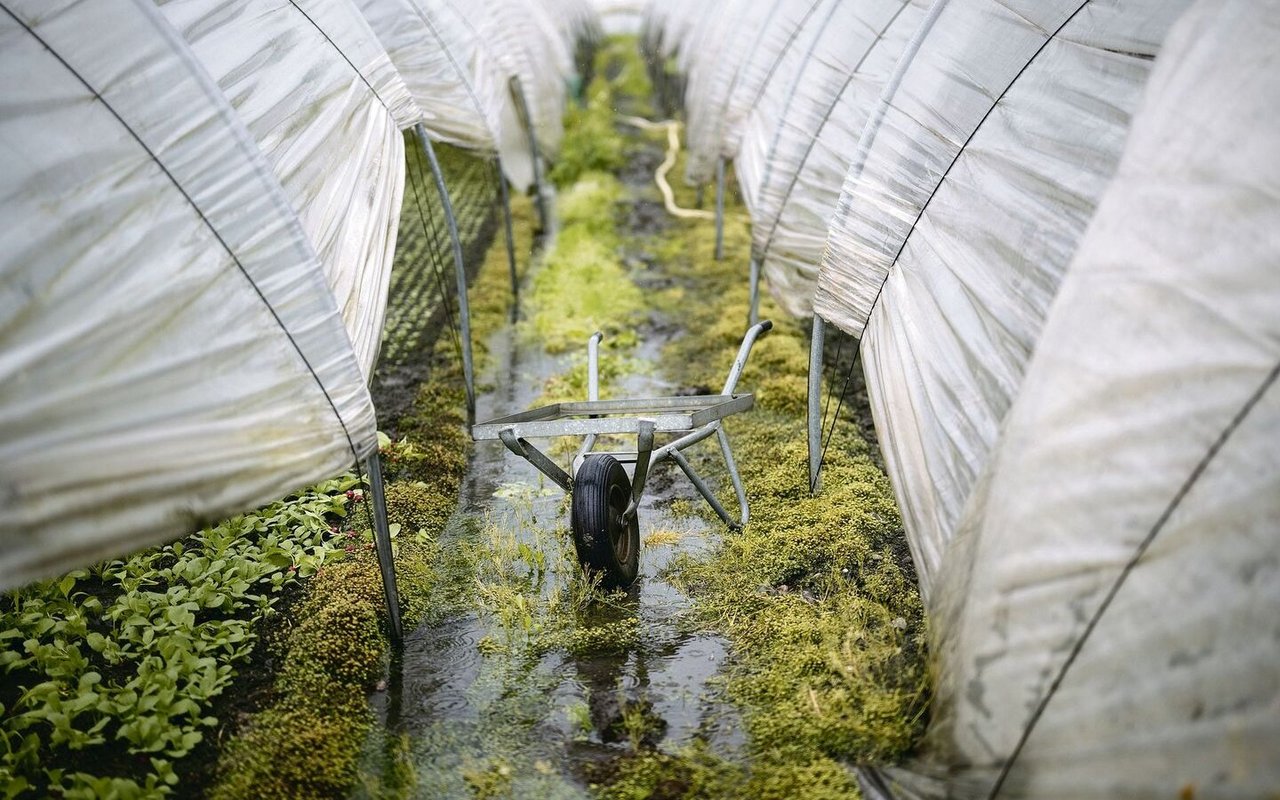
{"x": 321, "y": 97}
{"x": 795, "y": 158}
{"x": 436, "y": 58}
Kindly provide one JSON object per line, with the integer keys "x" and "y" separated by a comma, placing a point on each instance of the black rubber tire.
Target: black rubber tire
{"x": 605, "y": 544}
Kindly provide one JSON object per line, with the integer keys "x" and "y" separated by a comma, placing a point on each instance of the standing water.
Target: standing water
{"x": 543, "y": 680}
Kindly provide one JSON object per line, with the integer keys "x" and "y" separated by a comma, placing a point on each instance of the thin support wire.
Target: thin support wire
{"x": 831, "y": 430}
{"x": 430, "y": 237}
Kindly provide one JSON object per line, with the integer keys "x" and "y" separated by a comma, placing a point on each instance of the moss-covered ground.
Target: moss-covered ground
{"x": 306, "y": 742}
{"x": 815, "y": 600}
{"x": 817, "y": 595}
{"x": 810, "y": 615}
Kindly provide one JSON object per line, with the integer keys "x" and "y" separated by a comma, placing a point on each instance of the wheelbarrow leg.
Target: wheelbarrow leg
{"x": 734, "y": 476}
{"x": 537, "y": 458}
{"x": 644, "y": 449}
{"x": 701, "y": 486}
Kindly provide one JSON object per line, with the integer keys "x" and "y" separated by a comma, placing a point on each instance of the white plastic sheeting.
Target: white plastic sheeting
{"x": 724, "y": 36}
{"x": 1109, "y": 616}
{"x": 795, "y": 152}
{"x": 201, "y": 204}
{"x": 742, "y": 74}
{"x": 979, "y": 174}
{"x": 540, "y": 63}
{"x": 322, "y": 99}
{"x": 435, "y": 55}
{"x": 170, "y": 351}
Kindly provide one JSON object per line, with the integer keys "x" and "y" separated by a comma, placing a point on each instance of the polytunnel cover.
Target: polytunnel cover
{"x": 974, "y": 184}
{"x": 170, "y": 351}
{"x": 1108, "y": 619}
{"x": 321, "y": 98}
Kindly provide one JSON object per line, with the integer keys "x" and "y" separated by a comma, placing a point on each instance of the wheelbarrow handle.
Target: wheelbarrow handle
{"x": 753, "y": 333}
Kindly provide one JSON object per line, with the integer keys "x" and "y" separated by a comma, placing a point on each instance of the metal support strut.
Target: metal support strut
{"x": 816, "y": 346}
{"x": 511, "y": 238}
{"x": 460, "y": 269}
{"x": 753, "y": 316}
{"x": 382, "y": 543}
{"x": 720, "y": 210}
{"x": 526, "y": 119}
{"x": 593, "y": 385}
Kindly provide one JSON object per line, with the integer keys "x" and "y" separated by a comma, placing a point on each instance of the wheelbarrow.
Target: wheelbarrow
{"x": 604, "y": 509}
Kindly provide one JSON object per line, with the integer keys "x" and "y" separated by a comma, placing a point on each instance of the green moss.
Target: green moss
{"x": 292, "y": 752}
{"x": 817, "y": 595}
{"x": 618, "y": 58}
{"x": 491, "y": 297}
{"x": 307, "y": 742}
{"x": 417, "y": 507}
{"x": 590, "y": 144}
{"x": 582, "y": 286}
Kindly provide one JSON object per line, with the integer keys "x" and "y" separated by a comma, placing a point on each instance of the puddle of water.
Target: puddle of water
{"x": 522, "y": 722}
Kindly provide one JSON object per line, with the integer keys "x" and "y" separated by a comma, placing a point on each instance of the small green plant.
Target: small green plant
{"x": 126, "y": 658}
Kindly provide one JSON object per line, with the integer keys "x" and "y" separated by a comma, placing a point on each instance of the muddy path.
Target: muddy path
{"x": 535, "y": 689}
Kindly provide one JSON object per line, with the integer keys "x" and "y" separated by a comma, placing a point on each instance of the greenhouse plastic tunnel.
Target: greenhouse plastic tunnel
{"x": 1012, "y": 465}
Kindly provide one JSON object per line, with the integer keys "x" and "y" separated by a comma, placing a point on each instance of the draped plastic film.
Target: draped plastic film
{"x": 1122, "y": 541}
{"x": 340, "y": 154}
{"x": 756, "y": 37}
{"x": 723, "y": 41}
{"x": 434, "y": 55}
{"x": 794, "y": 160}
{"x": 979, "y": 175}
{"x": 170, "y": 351}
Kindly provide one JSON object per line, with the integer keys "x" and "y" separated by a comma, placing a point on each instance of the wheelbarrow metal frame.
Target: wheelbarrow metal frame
{"x": 696, "y": 417}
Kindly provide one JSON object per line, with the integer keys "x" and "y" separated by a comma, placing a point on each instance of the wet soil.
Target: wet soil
{"x": 540, "y": 724}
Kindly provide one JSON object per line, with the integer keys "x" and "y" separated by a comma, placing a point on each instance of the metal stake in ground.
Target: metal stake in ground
{"x": 720, "y": 211}
{"x": 816, "y": 346}
{"x": 464, "y": 310}
{"x": 382, "y": 542}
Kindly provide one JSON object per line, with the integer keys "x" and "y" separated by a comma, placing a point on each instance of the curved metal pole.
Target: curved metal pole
{"x": 460, "y": 269}
{"x": 511, "y": 238}
{"x": 522, "y": 110}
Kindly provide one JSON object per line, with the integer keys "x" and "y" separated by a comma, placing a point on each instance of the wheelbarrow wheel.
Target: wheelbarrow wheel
{"x": 606, "y": 542}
